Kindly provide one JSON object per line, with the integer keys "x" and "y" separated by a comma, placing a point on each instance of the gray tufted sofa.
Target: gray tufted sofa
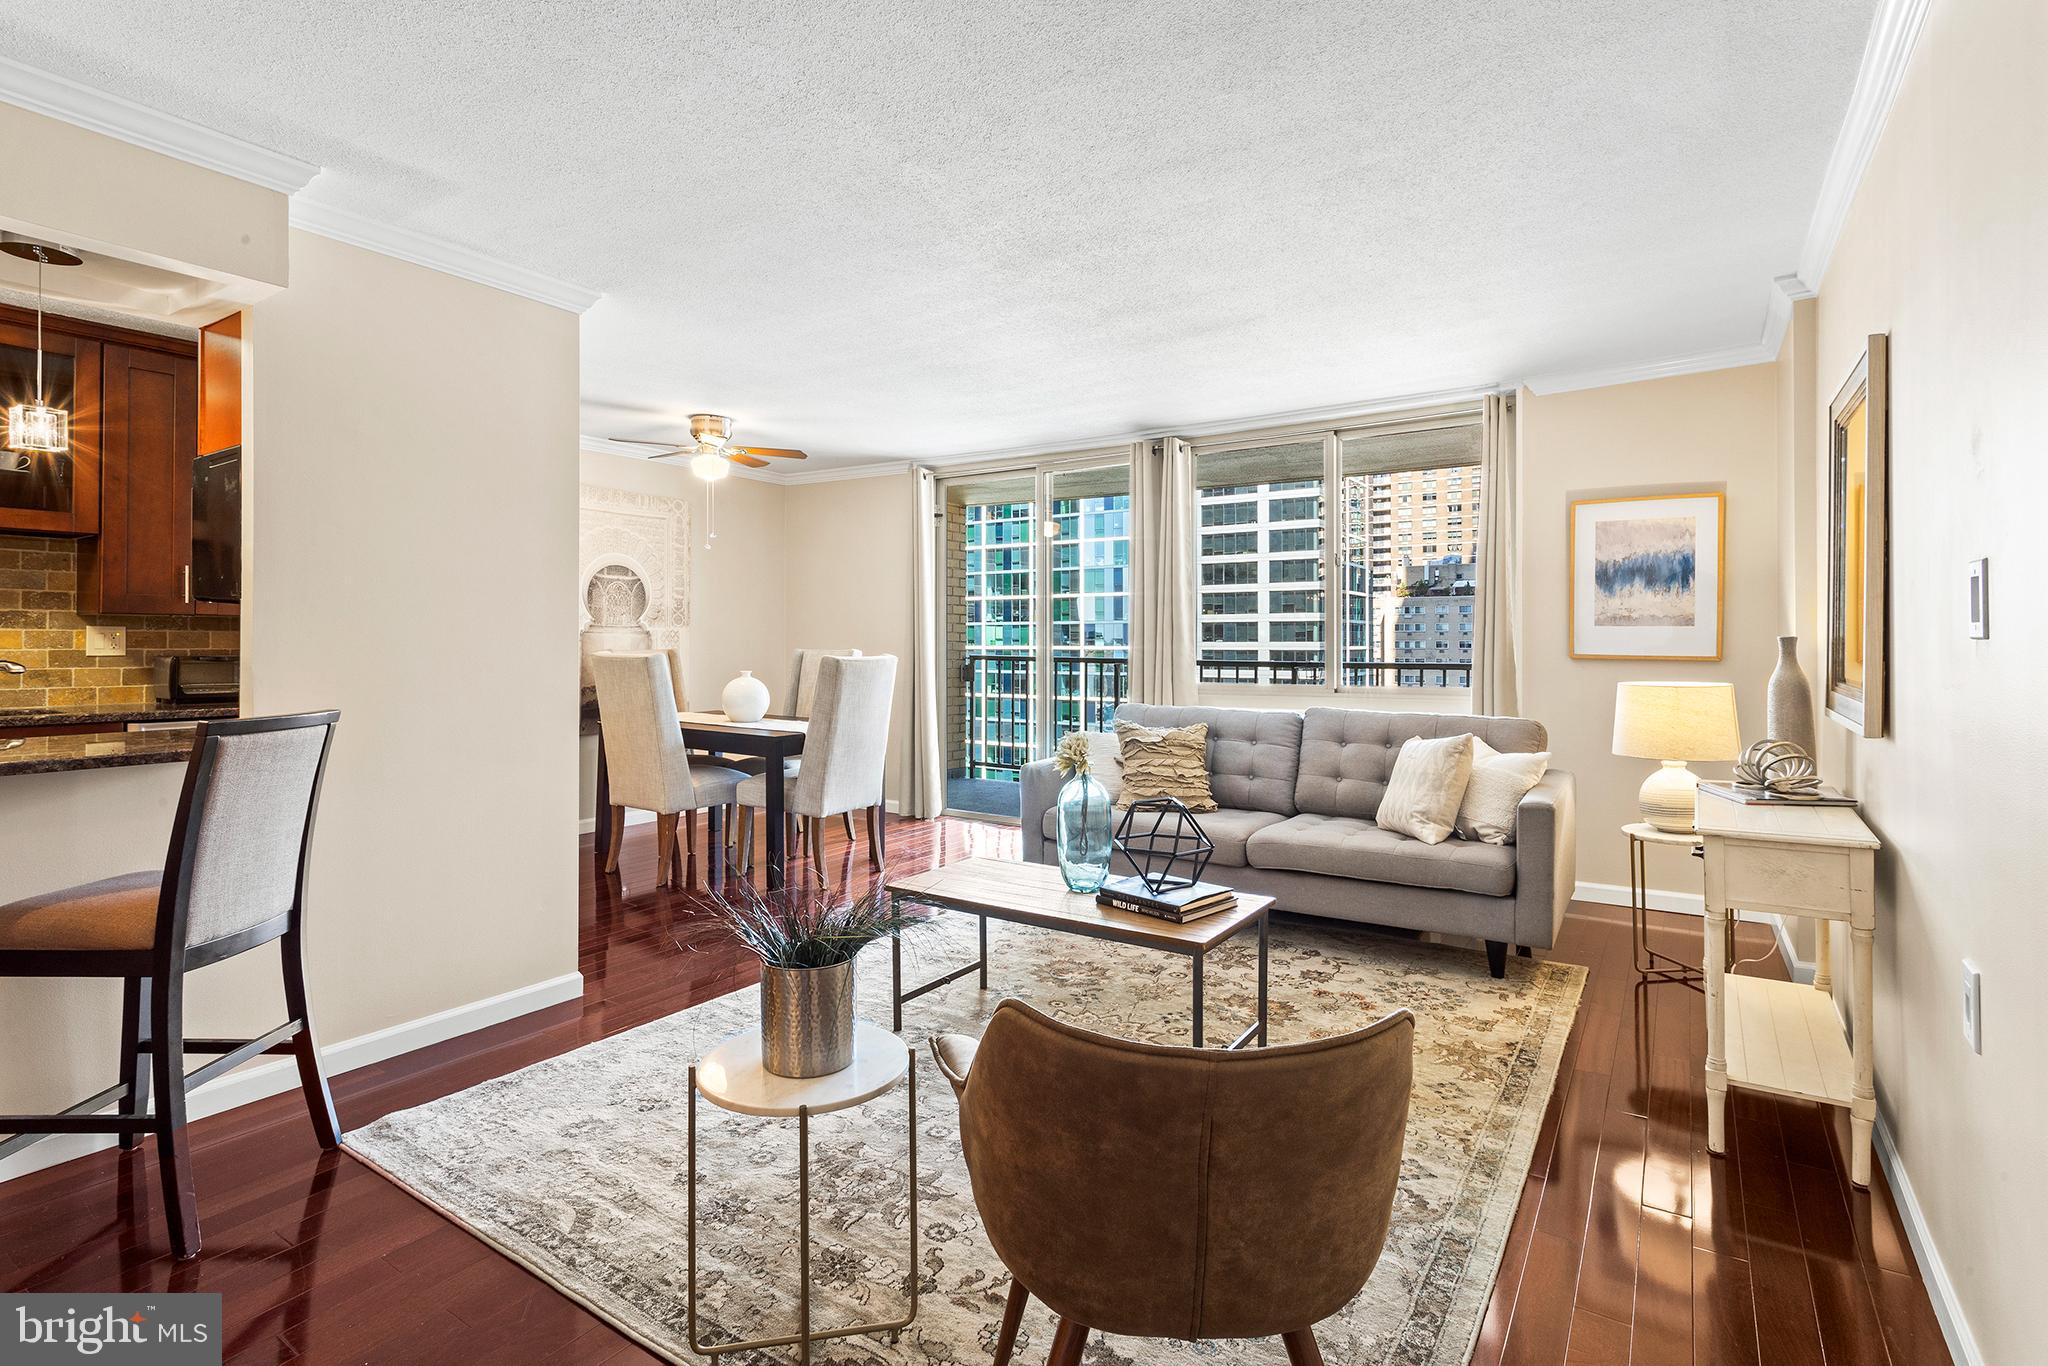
{"x": 1298, "y": 792}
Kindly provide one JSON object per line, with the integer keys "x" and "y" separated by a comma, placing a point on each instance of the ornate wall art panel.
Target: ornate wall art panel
{"x": 633, "y": 553}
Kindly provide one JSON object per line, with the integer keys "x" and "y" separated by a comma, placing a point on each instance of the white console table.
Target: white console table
{"x": 1781, "y": 1037}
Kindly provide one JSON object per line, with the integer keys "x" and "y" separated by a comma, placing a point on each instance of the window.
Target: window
{"x": 1230, "y": 572}
{"x": 1231, "y": 543}
{"x": 1229, "y": 604}
{"x": 1229, "y": 514}
{"x": 1260, "y": 487}
{"x": 1295, "y": 571}
{"x": 1362, "y": 504}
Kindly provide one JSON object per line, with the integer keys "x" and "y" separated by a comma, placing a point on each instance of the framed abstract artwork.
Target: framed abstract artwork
{"x": 1646, "y": 577}
{"x": 1858, "y": 453}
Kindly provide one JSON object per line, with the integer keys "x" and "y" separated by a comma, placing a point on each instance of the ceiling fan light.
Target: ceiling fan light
{"x": 709, "y": 466}
{"x": 36, "y": 427}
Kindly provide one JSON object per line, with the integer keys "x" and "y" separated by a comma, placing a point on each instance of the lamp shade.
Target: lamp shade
{"x": 1681, "y": 721}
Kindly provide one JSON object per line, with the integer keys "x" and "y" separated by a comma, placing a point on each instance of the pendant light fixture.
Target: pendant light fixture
{"x": 38, "y": 427}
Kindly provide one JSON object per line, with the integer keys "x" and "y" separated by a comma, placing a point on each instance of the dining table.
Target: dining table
{"x": 774, "y": 739}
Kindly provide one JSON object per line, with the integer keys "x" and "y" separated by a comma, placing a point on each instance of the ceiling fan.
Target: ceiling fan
{"x": 710, "y": 447}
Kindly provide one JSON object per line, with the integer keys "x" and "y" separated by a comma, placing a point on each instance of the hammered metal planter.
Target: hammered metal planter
{"x": 807, "y": 1020}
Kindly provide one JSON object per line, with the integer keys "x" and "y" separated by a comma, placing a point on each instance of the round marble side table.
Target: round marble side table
{"x": 731, "y": 1077}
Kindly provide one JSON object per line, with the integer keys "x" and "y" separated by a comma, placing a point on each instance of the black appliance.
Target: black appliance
{"x": 217, "y": 526}
{"x": 197, "y": 678}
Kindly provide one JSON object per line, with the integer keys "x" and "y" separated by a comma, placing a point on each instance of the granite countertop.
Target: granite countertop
{"x": 117, "y": 715}
{"x": 63, "y": 753}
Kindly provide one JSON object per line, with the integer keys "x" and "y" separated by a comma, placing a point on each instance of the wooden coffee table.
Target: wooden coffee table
{"x": 1035, "y": 894}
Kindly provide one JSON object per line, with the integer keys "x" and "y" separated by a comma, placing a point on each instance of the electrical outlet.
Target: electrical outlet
{"x": 104, "y": 641}
{"x": 1973, "y": 1006}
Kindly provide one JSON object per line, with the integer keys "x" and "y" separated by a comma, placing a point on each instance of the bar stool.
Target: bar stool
{"x": 234, "y": 878}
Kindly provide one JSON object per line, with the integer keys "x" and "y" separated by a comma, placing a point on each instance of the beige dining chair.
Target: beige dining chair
{"x": 648, "y": 762}
{"x": 845, "y": 753}
{"x": 803, "y": 677}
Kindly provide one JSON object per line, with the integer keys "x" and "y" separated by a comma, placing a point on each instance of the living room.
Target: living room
{"x": 1420, "y": 520}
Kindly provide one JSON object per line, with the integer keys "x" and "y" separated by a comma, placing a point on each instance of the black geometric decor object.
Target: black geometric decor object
{"x": 1165, "y": 843}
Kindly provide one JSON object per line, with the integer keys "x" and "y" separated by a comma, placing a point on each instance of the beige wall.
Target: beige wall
{"x": 86, "y": 190}
{"x": 848, "y": 548}
{"x": 1714, "y": 431}
{"x": 411, "y": 553}
{"x": 1942, "y": 249}
{"x": 736, "y": 583}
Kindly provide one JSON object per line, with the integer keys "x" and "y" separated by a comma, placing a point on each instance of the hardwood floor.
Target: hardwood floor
{"x": 1630, "y": 1244}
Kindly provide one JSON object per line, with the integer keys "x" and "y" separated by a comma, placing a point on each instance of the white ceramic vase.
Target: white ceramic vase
{"x": 745, "y": 698}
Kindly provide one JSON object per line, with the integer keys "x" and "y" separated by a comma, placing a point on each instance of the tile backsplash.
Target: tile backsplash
{"x": 41, "y": 629}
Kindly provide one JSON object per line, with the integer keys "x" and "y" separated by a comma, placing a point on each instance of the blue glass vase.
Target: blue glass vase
{"x": 1083, "y": 828}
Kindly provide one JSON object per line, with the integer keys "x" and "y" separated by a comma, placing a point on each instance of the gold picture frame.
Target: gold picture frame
{"x": 1859, "y": 453}
{"x": 1700, "y": 521}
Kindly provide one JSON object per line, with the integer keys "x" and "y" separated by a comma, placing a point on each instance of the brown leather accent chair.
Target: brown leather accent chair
{"x": 234, "y": 878}
{"x": 1162, "y": 1192}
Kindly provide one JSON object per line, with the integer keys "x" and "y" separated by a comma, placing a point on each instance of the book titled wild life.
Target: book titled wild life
{"x": 1182, "y": 904}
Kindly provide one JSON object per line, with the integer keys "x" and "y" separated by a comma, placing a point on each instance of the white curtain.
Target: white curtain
{"x": 1163, "y": 634}
{"x": 925, "y": 793}
{"x": 1497, "y": 651}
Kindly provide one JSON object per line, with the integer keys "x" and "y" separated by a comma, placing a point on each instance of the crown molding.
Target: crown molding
{"x": 98, "y": 111}
{"x": 1777, "y": 316}
{"x": 437, "y": 253}
{"x": 1892, "y": 35}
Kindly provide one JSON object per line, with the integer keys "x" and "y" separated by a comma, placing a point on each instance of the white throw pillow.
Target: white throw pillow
{"x": 1427, "y": 785}
{"x": 1499, "y": 782}
{"x": 1106, "y": 762}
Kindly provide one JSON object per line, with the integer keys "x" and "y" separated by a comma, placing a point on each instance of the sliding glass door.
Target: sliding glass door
{"x": 1036, "y": 621}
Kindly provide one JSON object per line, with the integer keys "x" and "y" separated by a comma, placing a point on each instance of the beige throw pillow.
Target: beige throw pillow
{"x": 1106, "y": 762}
{"x": 1499, "y": 782}
{"x": 1427, "y": 785}
{"x": 1165, "y": 763}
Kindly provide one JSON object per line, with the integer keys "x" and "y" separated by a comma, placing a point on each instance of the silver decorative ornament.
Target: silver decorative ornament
{"x": 1777, "y": 768}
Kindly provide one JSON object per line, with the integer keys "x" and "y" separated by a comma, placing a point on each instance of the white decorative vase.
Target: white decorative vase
{"x": 745, "y": 698}
{"x": 1789, "y": 713}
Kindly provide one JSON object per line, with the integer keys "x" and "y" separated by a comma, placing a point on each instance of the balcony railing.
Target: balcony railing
{"x": 1357, "y": 673}
{"x": 998, "y": 705}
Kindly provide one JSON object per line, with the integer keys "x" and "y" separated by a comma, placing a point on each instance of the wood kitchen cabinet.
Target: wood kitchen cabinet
{"x": 57, "y": 495}
{"x": 149, "y": 432}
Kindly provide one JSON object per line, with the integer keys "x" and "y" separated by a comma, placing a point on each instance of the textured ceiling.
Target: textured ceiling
{"x": 916, "y": 228}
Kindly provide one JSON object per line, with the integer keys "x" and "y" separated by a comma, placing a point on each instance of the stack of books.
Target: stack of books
{"x": 1750, "y": 796}
{"x": 1179, "y": 906}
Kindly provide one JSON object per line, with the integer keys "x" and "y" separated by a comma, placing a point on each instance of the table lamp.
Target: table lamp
{"x": 1674, "y": 722}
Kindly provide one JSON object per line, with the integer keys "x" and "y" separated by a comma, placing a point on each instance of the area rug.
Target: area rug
{"x": 575, "y": 1166}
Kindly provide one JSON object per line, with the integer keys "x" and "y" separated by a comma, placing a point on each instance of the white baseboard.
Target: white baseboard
{"x": 281, "y": 1074}
{"x": 635, "y": 816}
{"x": 1941, "y": 1291}
{"x": 1799, "y": 968}
{"x": 1608, "y": 894}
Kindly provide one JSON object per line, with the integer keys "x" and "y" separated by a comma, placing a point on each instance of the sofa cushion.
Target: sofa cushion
{"x": 1253, "y": 755}
{"x": 1227, "y": 828}
{"x": 1344, "y": 846}
{"x": 1347, "y": 756}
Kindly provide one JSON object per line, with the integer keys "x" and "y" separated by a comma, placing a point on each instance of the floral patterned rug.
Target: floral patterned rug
{"x": 575, "y": 1166}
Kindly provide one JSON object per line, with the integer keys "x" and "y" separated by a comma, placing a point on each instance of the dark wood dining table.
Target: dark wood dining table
{"x": 772, "y": 738}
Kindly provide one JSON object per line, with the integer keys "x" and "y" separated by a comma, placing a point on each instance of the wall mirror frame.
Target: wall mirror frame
{"x": 1858, "y": 547}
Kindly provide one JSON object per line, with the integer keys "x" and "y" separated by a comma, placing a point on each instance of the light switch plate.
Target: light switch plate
{"x": 1980, "y": 599}
{"x": 104, "y": 641}
{"x": 1973, "y": 1006}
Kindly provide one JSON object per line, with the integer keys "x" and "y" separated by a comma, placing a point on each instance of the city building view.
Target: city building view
{"x": 1408, "y": 557}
